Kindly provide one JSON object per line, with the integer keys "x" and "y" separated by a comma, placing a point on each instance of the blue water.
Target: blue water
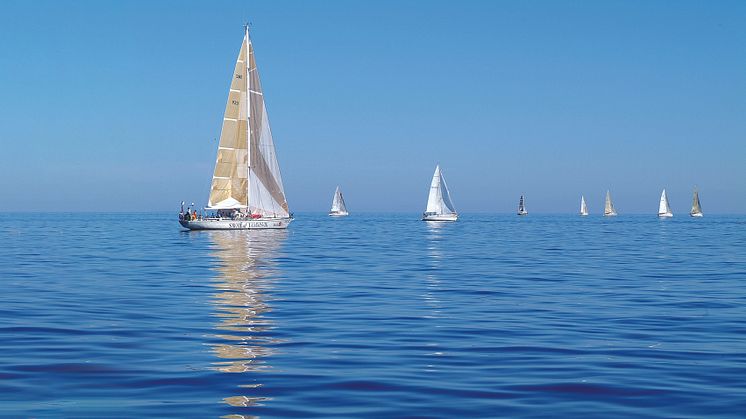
{"x": 373, "y": 316}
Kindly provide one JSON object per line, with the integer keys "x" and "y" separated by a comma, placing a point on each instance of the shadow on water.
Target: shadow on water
{"x": 243, "y": 339}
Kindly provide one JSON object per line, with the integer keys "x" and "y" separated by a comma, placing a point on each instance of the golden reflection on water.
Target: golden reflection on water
{"x": 245, "y": 273}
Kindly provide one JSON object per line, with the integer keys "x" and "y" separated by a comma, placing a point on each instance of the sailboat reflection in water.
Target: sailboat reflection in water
{"x": 242, "y": 342}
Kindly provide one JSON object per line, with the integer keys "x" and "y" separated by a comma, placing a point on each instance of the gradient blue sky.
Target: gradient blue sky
{"x": 116, "y": 105}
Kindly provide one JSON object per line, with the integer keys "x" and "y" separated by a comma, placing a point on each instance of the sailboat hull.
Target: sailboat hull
{"x": 698, "y": 214}
{"x": 440, "y": 217}
{"x": 339, "y": 214}
{"x": 228, "y": 224}
{"x": 665, "y": 215}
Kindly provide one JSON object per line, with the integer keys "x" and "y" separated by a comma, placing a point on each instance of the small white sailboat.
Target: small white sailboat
{"x": 339, "y": 209}
{"x": 664, "y": 210}
{"x": 439, "y": 204}
{"x": 583, "y": 206}
{"x": 696, "y": 208}
{"x": 609, "y": 210}
{"x": 522, "y": 207}
{"x": 246, "y": 191}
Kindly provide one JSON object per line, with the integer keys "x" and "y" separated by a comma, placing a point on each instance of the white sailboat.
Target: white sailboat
{"x": 664, "y": 210}
{"x": 522, "y": 207}
{"x": 696, "y": 208}
{"x": 439, "y": 205}
{"x": 583, "y": 206}
{"x": 609, "y": 210}
{"x": 339, "y": 209}
{"x": 246, "y": 190}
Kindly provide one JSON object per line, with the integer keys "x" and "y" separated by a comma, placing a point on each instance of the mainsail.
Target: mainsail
{"x": 663, "y": 207}
{"x": 247, "y": 175}
{"x": 338, "y": 203}
{"x": 439, "y": 199}
{"x": 583, "y": 206}
{"x": 522, "y": 207}
{"x": 608, "y": 206}
{"x": 696, "y": 208}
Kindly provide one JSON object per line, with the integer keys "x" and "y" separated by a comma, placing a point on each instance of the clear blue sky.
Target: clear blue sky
{"x": 116, "y": 105}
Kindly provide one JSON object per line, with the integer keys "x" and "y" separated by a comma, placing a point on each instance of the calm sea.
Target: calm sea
{"x": 374, "y": 315}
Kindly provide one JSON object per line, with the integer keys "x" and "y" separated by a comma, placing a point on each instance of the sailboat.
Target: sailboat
{"x": 609, "y": 210}
{"x": 246, "y": 190}
{"x": 339, "y": 209}
{"x": 583, "y": 206}
{"x": 522, "y": 207}
{"x": 439, "y": 205}
{"x": 696, "y": 208}
{"x": 664, "y": 210}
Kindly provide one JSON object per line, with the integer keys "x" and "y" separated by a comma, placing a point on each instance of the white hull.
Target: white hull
{"x": 610, "y": 214}
{"x": 698, "y": 214}
{"x": 339, "y": 214}
{"x": 228, "y": 224}
{"x": 440, "y": 217}
{"x": 523, "y": 213}
{"x": 665, "y": 215}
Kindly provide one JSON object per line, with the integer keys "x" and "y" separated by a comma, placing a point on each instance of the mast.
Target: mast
{"x": 248, "y": 113}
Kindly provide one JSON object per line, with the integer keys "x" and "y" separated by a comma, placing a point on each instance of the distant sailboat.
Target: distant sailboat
{"x": 339, "y": 209}
{"x": 439, "y": 205}
{"x": 246, "y": 191}
{"x": 696, "y": 208}
{"x": 609, "y": 210}
{"x": 522, "y": 207}
{"x": 664, "y": 210}
{"x": 583, "y": 206}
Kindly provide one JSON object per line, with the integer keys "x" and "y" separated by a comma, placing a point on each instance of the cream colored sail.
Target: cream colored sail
{"x": 696, "y": 208}
{"x": 230, "y": 180}
{"x": 609, "y": 210}
{"x": 247, "y": 175}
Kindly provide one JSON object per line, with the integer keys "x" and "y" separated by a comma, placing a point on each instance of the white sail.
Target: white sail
{"x": 696, "y": 208}
{"x": 338, "y": 204}
{"x": 609, "y": 210}
{"x": 247, "y": 175}
{"x": 583, "y": 206}
{"x": 664, "y": 210}
{"x": 439, "y": 201}
{"x": 522, "y": 207}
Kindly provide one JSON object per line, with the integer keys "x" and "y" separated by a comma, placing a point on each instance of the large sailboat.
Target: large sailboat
{"x": 339, "y": 209}
{"x": 439, "y": 205}
{"x": 246, "y": 191}
{"x": 583, "y": 206}
{"x": 664, "y": 210}
{"x": 522, "y": 207}
{"x": 609, "y": 210}
{"x": 696, "y": 208}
